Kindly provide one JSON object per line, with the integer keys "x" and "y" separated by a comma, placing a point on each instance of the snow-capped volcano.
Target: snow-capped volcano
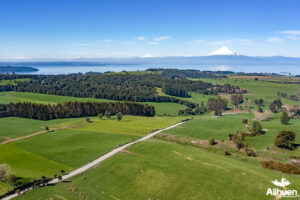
{"x": 222, "y": 51}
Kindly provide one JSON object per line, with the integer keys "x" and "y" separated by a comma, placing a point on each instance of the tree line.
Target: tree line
{"x": 120, "y": 87}
{"x": 76, "y": 109}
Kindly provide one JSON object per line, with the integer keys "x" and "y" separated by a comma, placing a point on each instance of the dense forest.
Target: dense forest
{"x": 121, "y": 87}
{"x": 76, "y": 109}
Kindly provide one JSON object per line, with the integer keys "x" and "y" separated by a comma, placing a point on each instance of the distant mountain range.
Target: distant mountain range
{"x": 205, "y": 60}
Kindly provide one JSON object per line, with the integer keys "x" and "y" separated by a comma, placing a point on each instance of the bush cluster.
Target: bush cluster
{"x": 285, "y": 168}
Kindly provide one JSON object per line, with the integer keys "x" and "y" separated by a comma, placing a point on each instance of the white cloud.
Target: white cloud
{"x": 73, "y": 57}
{"x": 221, "y": 42}
{"x": 290, "y": 32}
{"x": 84, "y": 44}
{"x": 153, "y": 43}
{"x": 245, "y": 42}
{"x": 141, "y": 38}
{"x": 197, "y": 41}
{"x": 147, "y": 55}
{"x": 107, "y": 41}
{"x": 128, "y": 43}
{"x": 162, "y": 38}
{"x": 274, "y": 40}
{"x": 293, "y": 37}
{"x": 19, "y": 57}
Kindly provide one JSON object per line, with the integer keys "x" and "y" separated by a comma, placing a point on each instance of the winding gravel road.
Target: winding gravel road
{"x": 98, "y": 160}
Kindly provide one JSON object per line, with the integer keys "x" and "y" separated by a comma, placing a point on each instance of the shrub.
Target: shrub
{"x": 119, "y": 116}
{"x": 260, "y": 109}
{"x": 250, "y": 152}
{"x": 285, "y": 139}
{"x": 211, "y": 141}
{"x": 256, "y": 129}
{"x": 265, "y": 116}
{"x": 284, "y": 117}
{"x": 238, "y": 140}
{"x": 245, "y": 121}
{"x": 6, "y": 174}
{"x": 275, "y": 106}
{"x": 285, "y": 168}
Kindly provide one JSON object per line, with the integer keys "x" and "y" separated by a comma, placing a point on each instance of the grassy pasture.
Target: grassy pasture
{"x": 7, "y": 97}
{"x": 262, "y": 89}
{"x": 13, "y": 82}
{"x": 14, "y": 127}
{"x": 46, "y": 154}
{"x": 131, "y": 125}
{"x": 282, "y": 79}
{"x": 273, "y": 127}
{"x": 157, "y": 169}
{"x": 205, "y": 126}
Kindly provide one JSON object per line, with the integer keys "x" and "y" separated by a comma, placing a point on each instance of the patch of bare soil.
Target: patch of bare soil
{"x": 125, "y": 151}
{"x": 234, "y": 111}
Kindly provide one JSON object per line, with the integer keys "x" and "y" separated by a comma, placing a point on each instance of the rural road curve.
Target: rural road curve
{"x": 98, "y": 160}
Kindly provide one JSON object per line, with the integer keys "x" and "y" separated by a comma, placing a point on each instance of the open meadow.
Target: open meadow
{"x": 158, "y": 169}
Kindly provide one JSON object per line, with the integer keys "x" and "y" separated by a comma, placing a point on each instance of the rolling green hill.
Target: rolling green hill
{"x": 162, "y": 170}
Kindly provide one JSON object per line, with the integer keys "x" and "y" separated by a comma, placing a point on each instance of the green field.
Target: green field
{"x": 131, "y": 125}
{"x": 261, "y": 89}
{"x": 195, "y": 97}
{"x": 162, "y": 170}
{"x": 13, "y": 82}
{"x": 14, "y": 127}
{"x": 170, "y": 109}
{"x": 48, "y": 153}
{"x": 205, "y": 127}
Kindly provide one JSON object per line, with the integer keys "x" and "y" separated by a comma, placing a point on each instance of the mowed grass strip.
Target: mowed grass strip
{"x": 157, "y": 169}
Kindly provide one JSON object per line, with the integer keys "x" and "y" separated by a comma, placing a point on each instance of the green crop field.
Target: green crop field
{"x": 163, "y": 170}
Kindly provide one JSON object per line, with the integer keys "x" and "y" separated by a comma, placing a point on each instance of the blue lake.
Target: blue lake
{"x": 293, "y": 69}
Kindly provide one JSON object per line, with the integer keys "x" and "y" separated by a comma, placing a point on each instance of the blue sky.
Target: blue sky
{"x": 97, "y": 28}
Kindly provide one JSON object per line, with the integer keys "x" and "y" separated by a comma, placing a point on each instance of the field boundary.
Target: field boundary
{"x": 31, "y": 135}
{"x": 98, "y": 161}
